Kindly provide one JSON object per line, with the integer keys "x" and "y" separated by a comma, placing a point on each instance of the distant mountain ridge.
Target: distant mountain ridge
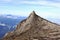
{"x": 34, "y": 28}
{"x": 8, "y": 24}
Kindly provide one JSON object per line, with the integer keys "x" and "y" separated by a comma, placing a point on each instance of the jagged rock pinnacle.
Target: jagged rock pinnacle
{"x": 34, "y": 28}
{"x": 33, "y": 13}
{"x": 32, "y": 17}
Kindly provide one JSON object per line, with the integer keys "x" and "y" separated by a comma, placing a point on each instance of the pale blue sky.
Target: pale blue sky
{"x": 44, "y": 8}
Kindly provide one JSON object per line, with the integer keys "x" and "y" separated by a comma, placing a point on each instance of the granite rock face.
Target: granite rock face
{"x": 34, "y": 28}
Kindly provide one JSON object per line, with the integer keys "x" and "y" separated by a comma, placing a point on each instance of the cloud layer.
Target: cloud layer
{"x": 54, "y": 3}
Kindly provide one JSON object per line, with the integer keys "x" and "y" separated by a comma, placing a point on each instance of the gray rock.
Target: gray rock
{"x": 35, "y": 28}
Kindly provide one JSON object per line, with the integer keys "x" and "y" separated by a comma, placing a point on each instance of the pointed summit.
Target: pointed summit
{"x": 33, "y": 13}
{"x": 32, "y": 17}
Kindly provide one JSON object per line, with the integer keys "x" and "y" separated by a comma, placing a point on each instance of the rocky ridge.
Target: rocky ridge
{"x": 34, "y": 28}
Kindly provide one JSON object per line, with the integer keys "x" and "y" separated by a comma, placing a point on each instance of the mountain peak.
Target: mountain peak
{"x": 34, "y": 28}
{"x": 32, "y": 17}
{"x": 33, "y": 13}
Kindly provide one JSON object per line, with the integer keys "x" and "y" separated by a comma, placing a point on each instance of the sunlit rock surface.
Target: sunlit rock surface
{"x": 34, "y": 28}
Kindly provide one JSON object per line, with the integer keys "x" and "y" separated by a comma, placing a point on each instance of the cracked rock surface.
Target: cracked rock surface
{"x": 34, "y": 28}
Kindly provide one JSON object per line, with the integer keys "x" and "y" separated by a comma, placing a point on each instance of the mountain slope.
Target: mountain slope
{"x": 3, "y": 30}
{"x": 34, "y": 28}
{"x": 8, "y": 23}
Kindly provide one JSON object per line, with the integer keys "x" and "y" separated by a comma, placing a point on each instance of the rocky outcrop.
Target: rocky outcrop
{"x": 34, "y": 28}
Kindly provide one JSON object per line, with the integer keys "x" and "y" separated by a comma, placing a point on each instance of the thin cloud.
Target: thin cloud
{"x": 45, "y": 3}
{"x": 52, "y": 3}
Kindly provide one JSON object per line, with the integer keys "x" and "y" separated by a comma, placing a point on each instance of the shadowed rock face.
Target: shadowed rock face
{"x": 34, "y": 28}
